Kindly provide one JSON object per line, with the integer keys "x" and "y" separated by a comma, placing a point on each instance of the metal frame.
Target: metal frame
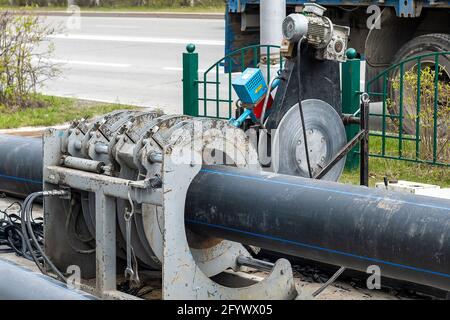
{"x": 410, "y": 8}
{"x": 185, "y": 271}
{"x": 182, "y": 277}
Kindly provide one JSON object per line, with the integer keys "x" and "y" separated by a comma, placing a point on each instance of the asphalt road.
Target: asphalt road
{"x": 136, "y": 61}
{"x": 130, "y": 60}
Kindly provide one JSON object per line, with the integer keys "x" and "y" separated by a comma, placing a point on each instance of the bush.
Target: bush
{"x": 24, "y": 59}
{"x": 426, "y": 115}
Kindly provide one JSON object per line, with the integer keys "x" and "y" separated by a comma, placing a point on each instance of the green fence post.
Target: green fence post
{"x": 351, "y": 83}
{"x": 190, "y": 81}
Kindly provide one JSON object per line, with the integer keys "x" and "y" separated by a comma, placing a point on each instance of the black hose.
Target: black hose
{"x": 28, "y": 233}
{"x": 11, "y": 234}
{"x": 27, "y": 237}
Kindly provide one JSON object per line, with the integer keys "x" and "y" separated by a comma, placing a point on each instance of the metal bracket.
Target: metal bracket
{"x": 182, "y": 276}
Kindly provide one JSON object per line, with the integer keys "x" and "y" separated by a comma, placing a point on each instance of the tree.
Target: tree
{"x": 25, "y": 62}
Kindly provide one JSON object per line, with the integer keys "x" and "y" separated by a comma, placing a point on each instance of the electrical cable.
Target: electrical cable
{"x": 367, "y": 57}
{"x": 26, "y": 237}
{"x": 11, "y": 235}
{"x": 329, "y": 282}
{"x": 23, "y": 234}
{"x": 300, "y": 108}
{"x": 266, "y": 101}
{"x": 27, "y": 212}
{"x": 29, "y": 234}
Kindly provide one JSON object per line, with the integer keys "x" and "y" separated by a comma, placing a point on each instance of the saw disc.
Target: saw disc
{"x": 325, "y": 134}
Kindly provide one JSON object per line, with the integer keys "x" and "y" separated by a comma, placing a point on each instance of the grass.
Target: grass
{"x": 396, "y": 169}
{"x": 201, "y": 9}
{"x": 56, "y": 110}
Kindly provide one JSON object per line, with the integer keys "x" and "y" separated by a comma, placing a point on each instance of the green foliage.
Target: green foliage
{"x": 24, "y": 59}
{"x": 425, "y": 115}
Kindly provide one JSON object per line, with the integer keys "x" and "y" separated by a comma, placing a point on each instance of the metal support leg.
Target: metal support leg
{"x": 105, "y": 240}
{"x": 364, "y": 154}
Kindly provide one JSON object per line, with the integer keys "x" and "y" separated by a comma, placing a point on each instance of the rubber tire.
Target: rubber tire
{"x": 429, "y": 43}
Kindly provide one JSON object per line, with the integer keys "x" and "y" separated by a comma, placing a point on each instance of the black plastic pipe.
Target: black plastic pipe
{"x": 20, "y": 165}
{"x": 18, "y": 283}
{"x": 407, "y": 236}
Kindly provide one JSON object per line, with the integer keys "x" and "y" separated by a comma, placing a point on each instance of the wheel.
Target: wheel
{"x": 418, "y": 46}
{"x": 325, "y": 134}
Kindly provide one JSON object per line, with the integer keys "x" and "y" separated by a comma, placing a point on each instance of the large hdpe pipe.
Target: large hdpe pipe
{"x": 18, "y": 283}
{"x": 407, "y": 236}
{"x": 20, "y": 165}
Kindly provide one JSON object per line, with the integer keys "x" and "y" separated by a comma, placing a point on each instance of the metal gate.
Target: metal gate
{"x": 414, "y": 96}
{"x": 212, "y": 95}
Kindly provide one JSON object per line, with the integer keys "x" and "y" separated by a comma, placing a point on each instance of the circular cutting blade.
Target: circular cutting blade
{"x": 325, "y": 135}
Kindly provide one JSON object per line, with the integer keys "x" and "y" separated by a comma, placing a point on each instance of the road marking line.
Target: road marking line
{"x": 91, "y": 63}
{"x": 94, "y": 37}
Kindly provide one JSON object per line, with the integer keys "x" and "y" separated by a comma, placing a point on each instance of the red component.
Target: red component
{"x": 257, "y": 110}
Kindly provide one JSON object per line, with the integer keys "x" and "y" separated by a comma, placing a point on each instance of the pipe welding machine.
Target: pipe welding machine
{"x": 134, "y": 191}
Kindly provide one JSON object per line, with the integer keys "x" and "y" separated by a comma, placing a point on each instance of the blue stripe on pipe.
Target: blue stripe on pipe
{"x": 4, "y": 176}
{"x": 309, "y": 246}
{"x": 323, "y": 189}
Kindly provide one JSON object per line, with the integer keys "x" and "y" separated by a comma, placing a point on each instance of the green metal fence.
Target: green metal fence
{"x": 415, "y": 116}
{"x": 212, "y": 94}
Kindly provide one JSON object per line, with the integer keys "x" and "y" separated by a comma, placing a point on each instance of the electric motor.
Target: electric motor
{"x": 329, "y": 40}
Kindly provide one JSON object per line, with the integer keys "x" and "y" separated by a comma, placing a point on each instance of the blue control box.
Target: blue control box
{"x": 250, "y": 86}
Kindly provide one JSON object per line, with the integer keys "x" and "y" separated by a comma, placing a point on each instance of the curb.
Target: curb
{"x": 175, "y": 15}
{"x": 31, "y": 131}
